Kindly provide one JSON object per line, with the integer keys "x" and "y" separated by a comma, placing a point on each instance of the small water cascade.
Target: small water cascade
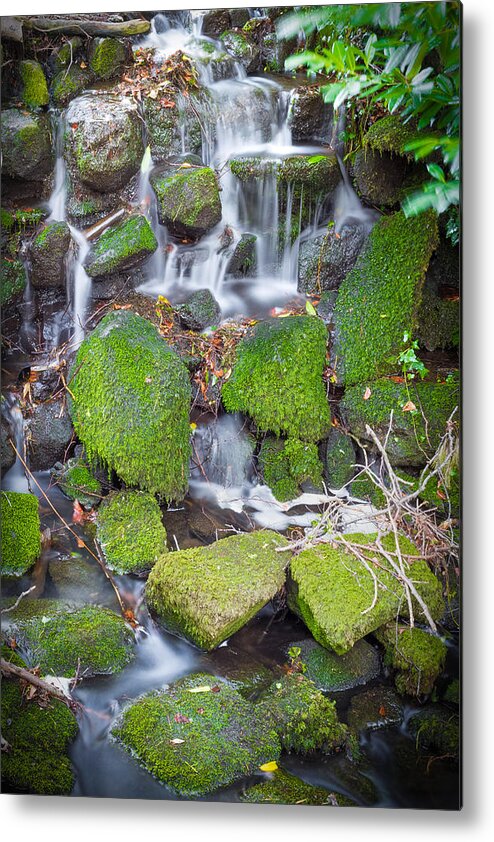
{"x": 348, "y": 209}
{"x": 58, "y": 198}
{"x": 80, "y": 285}
{"x": 15, "y": 479}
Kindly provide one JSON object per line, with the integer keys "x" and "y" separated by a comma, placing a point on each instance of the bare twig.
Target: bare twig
{"x": 12, "y": 670}
{"x": 16, "y": 603}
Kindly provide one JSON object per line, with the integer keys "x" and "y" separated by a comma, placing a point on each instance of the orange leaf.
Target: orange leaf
{"x": 367, "y": 394}
{"x": 77, "y": 513}
{"x": 409, "y": 407}
{"x": 397, "y": 379}
{"x": 382, "y": 711}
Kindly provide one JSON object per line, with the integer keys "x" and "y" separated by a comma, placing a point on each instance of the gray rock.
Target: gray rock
{"x": 375, "y": 708}
{"x": 200, "y": 310}
{"x": 26, "y": 145}
{"x": 215, "y": 22}
{"x": 309, "y": 117}
{"x": 242, "y": 263}
{"x": 50, "y": 433}
{"x": 48, "y": 255}
{"x": 6, "y": 452}
{"x": 379, "y": 178}
{"x": 324, "y": 261}
{"x": 339, "y": 458}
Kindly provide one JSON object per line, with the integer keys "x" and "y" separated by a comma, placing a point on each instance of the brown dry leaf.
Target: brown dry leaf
{"x": 409, "y": 407}
{"x": 80, "y": 542}
{"x": 382, "y": 711}
{"x": 78, "y": 514}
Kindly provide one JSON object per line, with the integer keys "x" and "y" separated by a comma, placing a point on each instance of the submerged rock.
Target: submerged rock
{"x": 48, "y": 255}
{"x": 130, "y": 405}
{"x": 283, "y": 788}
{"x": 21, "y": 532}
{"x": 331, "y": 672}
{"x": 325, "y": 261}
{"x": 26, "y": 145}
{"x": 130, "y": 531}
{"x": 198, "y": 735}
{"x": 200, "y": 310}
{"x": 206, "y": 594}
{"x": 418, "y": 656}
{"x": 50, "y": 433}
{"x": 188, "y": 202}
{"x": 77, "y": 579}
{"x": 121, "y": 247}
{"x": 378, "y": 707}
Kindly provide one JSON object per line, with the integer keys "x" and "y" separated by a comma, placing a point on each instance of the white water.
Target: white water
{"x": 15, "y": 479}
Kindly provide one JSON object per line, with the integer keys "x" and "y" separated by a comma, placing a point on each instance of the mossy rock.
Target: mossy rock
{"x": 130, "y": 531}
{"x": 364, "y": 488}
{"x": 48, "y": 255}
{"x": 69, "y": 51}
{"x": 436, "y": 729}
{"x": 7, "y": 453}
{"x": 418, "y": 656}
{"x": 277, "y": 378}
{"x": 21, "y": 532}
{"x": 285, "y": 465}
{"x": 452, "y": 693}
{"x": 106, "y": 57}
{"x": 26, "y": 145}
{"x": 243, "y": 262}
{"x": 37, "y": 762}
{"x": 376, "y": 708}
{"x": 242, "y": 49}
{"x": 251, "y": 168}
{"x": 62, "y": 639}
{"x": 13, "y": 281}
{"x": 379, "y": 299}
{"x": 390, "y": 134}
{"x": 200, "y": 310}
{"x": 78, "y": 579}
{"x": 438, "y": 325}
{"x": 380, "y": 178}
{"x": 317, "y": 174}
{"x": 340, "y": 459}
{"x": 415, "y": 433}
{"x": 325, "y": 261}
{"x": 331, "y": 672}
{"x": 306, "y": 721}
{"x": 283, "y": 788}
{"x": 77, "y": 482}
{"x": 206, "y": 594}
{"x": 130, "y": 404}
{"x": 332, "y": 592}
{"x": 198, "y": 735}
{"x": 34, "y": 91}
{"x": 68, "y": 84}
{"x": 188, "y": 202}
{"x": 121, "y": 247}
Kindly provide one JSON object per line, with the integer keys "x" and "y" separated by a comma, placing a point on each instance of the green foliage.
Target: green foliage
{"x": 438, "y": 729}
{"x": 277, "y": 378}
{"x": 418, "y": 656}
{"x": 130, "y": 531}
{"x": 121, "y": 247}
{"x": 286, "y": 465}
{"x": 411, "y": 365}
{"x": 34, "y": 90}
{"x": 130, "y": 404}
{"x": 409, "y": 63}
{"x": 21, "y": 532}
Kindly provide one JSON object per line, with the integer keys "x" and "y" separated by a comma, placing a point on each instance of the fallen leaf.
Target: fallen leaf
{"x": 382, "y": 711}
{"x": 80, "y": 542}
{"x": 272, "y": 766}
{"x": 310, "y": 309}
{"x": 180, "y": 717}
{"x": 77, "y": 513}
{"x": 409, "y": 407}
{"x": 204, "y": 688}
{"x": 176, "y": 741}
{"x": 367, "y": 394}
{"x": 397, "y": 379}
{"x": 215, "y": 689}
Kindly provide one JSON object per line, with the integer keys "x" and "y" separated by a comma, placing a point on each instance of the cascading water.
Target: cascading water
{"x": 15, "y": 479}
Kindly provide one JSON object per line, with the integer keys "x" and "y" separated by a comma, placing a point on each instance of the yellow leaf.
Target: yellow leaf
{"x": 204, "y": 688}
{"x": 185, "y": 166}
{"x": 193, "y": 426}
{"x": 269, "y": 767}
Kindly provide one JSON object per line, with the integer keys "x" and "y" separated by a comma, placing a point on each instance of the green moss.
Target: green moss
{"x": 340, "y": 459}
{"x": 130, "y": 404}
{"x": 26, "y": 145}
{"x": 50, "y": 235}
{"x": 365, "y": 489}
{"x": 13, "y": 281}
{"x": 331, "y": 672}
{"x": 390, "y": 134}
{"x": 78, "y": 483}
{"x": 34, "y": 88}
{"x": 437, "y": 729}
{"x": 418, "y": 656}
{"x": 66, "y": 53}
{"x": 305, "y": 720}
{"x": 121, "y": 247}
{"x": 219, "y": 736}
{"x": 332, "y": 592}
{"x": 189, "y": 202}
{"x": 69, "y": 83}
{"x": 6, "y": 220}
{"x": 38, "y": 737}
{"x": 107, "y": 55}
{"x": 438, "y": 322}
{"x": 21, "y": 532}
{"x": 207, "y": 593}
{"x": 236, "y": 44}
{"x": 452, "y": 693}
{"x": 286, "y": 465}
{"x": 130, "y": 531}
{"x": 379, "y": 299}
{"x": 60, "y": 637}
{"x": 246, "y": 169}
{"x": 283, "y": 788}
{"x": 277, "y": 378}
{"x": 313, "y": 173}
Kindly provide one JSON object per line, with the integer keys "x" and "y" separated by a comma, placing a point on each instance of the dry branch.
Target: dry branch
{"x": 73, "y": 26}
{"x": 12, "y": 670}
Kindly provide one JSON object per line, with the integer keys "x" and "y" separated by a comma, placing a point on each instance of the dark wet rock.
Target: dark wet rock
{"x": 238, "y": 17}
{"x": 26, "y": 145}
{"x": 243, "y": 262}
{"x": 199, "y": 311}
{"x": 438, "y": 322}
{"x": 188, "y": 201}
{"x": 283, "y": 788}
{"x": 48, "y": 255}
{"x": 50, "y": 433}
{"x": 379, "y": 178}
{"x": 326, "y": 305}
{"x": 6, "y": 451}
{"x": 215, "y": 22}
{"x": 242, "y": 49}
{"x": 46, "y": 380}
{"x": 339, "y": 459}
{"x": 121, "y": 247}
{"x": 378, "y": 707}
{"x": 309, "y": 117}
{"x": 202, "y": 526}
{"x": 331, "y": 672}
{"x": 69, "y": 83}
{"x": 438, "y": 729}
{"x": 324, "y": 261}
{"x": 76, "y": 579}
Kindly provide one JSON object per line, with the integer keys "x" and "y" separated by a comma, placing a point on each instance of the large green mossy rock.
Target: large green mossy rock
{"x": 130, "y": 404}
{"x": 333, "y": 593}
{"x": 121, "y": 247}
{"x": 34, "y": 91}
{"x": 48, "y": 254}
{"x": 285, "y": 465}
{"x": 38, "y": 737}
{"x": 130, "y": 531}
{"x": 331, "y": 672}
{"x": 69, "y": 83}
{"x": 21, "y": 532}
{"x": 188, "y": 201}
{"x": 64, "y": 640}
{"x": 418, "y": 656}
{"x": 13, "y": 281}
{"x": 379, "y": 299}
{"x": 277, "y": 378}
{"x": 391, "y": 135}
{"x": 283, "y": 788}
{"x": 340, "y": 459}
{"x": 198, "y": 735}
{"x": 207, "y": 593}
{"x": 305, "y": 720}
{"x": 415, "y": 433}
{"x": 106, "y": 57}
{"x": 26, "y": 145}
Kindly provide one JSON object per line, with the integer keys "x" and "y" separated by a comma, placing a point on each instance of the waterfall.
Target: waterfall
{"x": 15, "y": 479}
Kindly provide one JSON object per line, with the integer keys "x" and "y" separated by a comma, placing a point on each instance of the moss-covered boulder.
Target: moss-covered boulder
{"x": 242, "y": 48}
{"x": 325, "y": 261}
{"x": 71, "y": 51}
{"x": 106, "y": 57}
{"x": 198, "y": 735}
{"x": 188, "y": 201}
{"x": 380, "y": 178}
{"x": 331, "y": 672}
{"x": 378, "y": 707}
{"x": 390, "y": 134}
{"x": 34, "y": 90}
{"x": 130, "y": 404}
{"x": 21, "y": 532}
{"x": 277, "y": 378}
{"x": 415, "y": 433}
{"x": 63, "y": 639}
{"x": 69, "y": 83}
{"x": 26, "y": 145}
{"x": 315, "y": 174}
{"x": 333, "y": 593}
{"x": 339, "y": 459}
{"x": 285, "y": 465}
{"x": 130, "y": 531}
{"x": 282, "y": 788}
{"x": 78, "y": 482}
{"x": 121, "y": 247}
{"x": 13, "y": 281}
{"x": 243, "y": 261}
{"x": 199, "y": 310}
{"x": 418, "y": 656}
{"x": 305, "y": 720}
{"x": 38, "y": 736}
{"x": 104, "y": 144}
{"x": 379, "y": 299}
{"x": 436, "y": 729}
{"x": 206, "y": 594}
{"x": 48, "y": 255}
{"x": 438, "y": 325}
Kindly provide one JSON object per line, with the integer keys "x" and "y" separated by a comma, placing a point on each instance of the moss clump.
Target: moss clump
{"x": 332, "y": 591}
{"x": 417, "y": 655}
{"x": 208, "y": 593}
{"x": 415, "y": 434}
{"x": 246, "y": 169}
{"x": 197, "y": 742}
{"x": 283, "y": 788}
{"x": 122, "y": 247}
{"x": 38, "y": 737}
{"x": 452, "y": 693}
{"x": 286, "y": 465}
{"x": 188, "y": 203}
{"x": 57, "y": 637}
{"x": 130, "y": 404}
{"x": 379, "y": 299}
{"x": 331, "y": 672}
{"x": 277, "y": 378}
{"x": 13, "y": 281}
{"x": 130, "y": 531}
{"x": 69, "y": 83}
{"x": 78, "y": 483}
{"x": 305, "y": 720}
{"x": 106, "y": 57}
{"x": 438, "y": 322}
{"x": 65, "y": 54}
{"x": 390, "y": 135}
{"x": 21, "y": 532}
{"x": 438, "y": 729}
{"x": 365, "y": 489}
{"x": 34, "y": 88}
{"x": 314, "y": 173}
{"x": 340, "y": 459}
{"x": 237, "y": 44}
{"x": 26, "y": 145}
